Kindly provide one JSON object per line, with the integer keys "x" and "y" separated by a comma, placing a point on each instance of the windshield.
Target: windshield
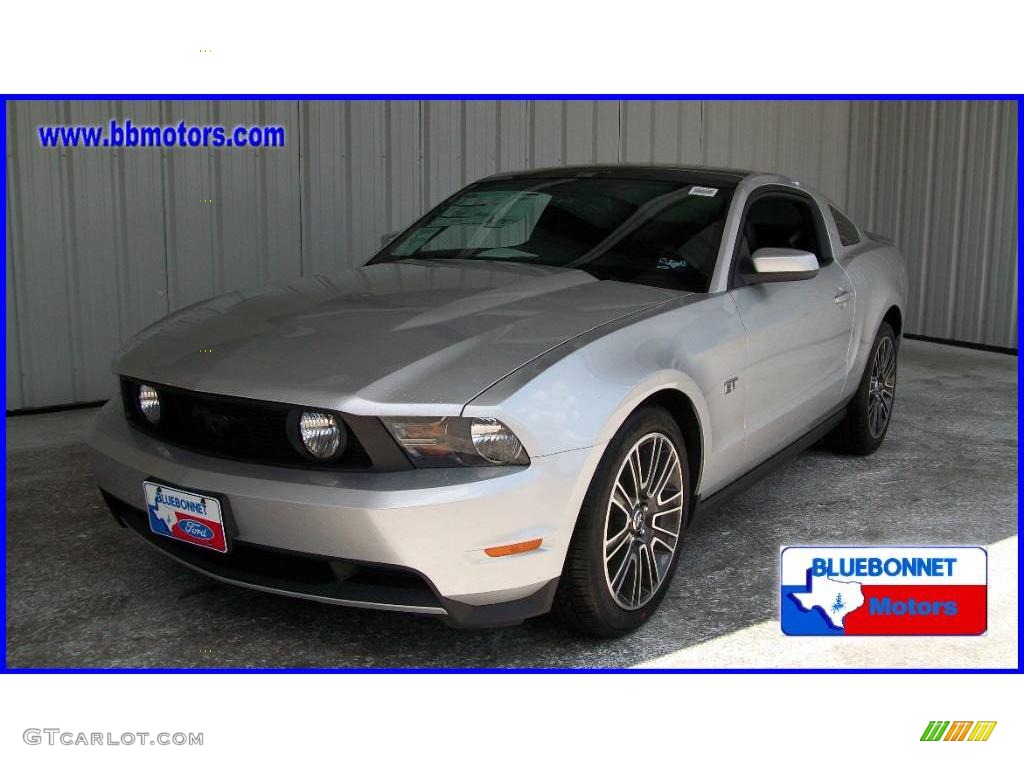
{"x": 655, "y": 232}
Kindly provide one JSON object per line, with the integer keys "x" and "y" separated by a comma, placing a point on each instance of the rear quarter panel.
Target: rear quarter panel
{"x": 879, "y": 276}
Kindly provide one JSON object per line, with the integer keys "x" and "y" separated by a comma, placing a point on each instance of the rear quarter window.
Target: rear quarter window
{"x": 848, "y": 234}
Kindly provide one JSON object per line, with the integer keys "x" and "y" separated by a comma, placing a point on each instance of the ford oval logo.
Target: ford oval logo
{"x": 195, "y": 529}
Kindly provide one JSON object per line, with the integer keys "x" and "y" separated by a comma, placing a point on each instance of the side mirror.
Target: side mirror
{"x": 780, "y": 265}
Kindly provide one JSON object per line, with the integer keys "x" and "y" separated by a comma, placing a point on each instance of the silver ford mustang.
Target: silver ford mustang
{"x": 521, "y": 402}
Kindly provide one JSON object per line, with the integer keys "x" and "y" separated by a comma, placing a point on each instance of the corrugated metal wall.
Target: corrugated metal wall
{"x": 102, "y": 242}
{"x": 941, "y": 179}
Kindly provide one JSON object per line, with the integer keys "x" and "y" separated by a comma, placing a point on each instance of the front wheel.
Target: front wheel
{"x": 626, "y": 544}
{"x": 868, "y": 415}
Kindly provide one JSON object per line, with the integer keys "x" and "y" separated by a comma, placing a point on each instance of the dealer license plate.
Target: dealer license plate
{"x": 186, "y": 516}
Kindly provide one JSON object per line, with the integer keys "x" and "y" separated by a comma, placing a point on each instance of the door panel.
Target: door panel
{"x": 798, "y": 334}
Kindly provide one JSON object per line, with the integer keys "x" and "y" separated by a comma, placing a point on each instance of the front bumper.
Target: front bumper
{"x": 365, "y": 539}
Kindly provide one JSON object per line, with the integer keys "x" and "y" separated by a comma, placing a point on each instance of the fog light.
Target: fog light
{"x": 320, "y": 434}
{"x": 149, "y": 403}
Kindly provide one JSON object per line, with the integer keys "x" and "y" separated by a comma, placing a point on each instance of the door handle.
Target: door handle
{"x": 843, "y": 296}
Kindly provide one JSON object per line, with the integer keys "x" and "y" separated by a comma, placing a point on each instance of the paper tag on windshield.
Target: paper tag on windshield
{"x": 704, "y": 191}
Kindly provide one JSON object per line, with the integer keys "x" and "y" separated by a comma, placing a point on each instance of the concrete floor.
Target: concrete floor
{"x": 82, "y": 592}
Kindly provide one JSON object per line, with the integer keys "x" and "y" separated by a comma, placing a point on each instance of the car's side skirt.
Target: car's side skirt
{"x": 718, "y": 498}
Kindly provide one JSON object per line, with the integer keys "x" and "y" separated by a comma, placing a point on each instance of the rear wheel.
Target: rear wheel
{"x": 869, "y": 413}
{"x": 626, "y": 544}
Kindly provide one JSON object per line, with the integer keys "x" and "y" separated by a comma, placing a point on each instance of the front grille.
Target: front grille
{"x": 236, "y": 428}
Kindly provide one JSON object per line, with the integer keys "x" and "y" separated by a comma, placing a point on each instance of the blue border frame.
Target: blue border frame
{"x": 1019, "y": 98}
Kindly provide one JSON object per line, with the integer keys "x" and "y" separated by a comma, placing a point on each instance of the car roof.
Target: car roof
{"x": 678, "y": 173}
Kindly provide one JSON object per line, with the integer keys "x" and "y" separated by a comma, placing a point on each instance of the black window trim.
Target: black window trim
{"x": 780, "y": 190}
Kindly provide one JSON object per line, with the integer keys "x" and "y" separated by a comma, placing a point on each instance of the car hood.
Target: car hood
{"x": 426, "y": 334}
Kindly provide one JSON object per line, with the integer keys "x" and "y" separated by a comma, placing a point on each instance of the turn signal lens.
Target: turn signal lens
{"x": 513, "y": 549}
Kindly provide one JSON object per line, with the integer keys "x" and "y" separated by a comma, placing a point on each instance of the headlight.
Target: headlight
{"x": 495, "y": 442}
{"x": 457, "y": 441}
{"x": 149, "y": 403}
{"x": 320, "y": 434}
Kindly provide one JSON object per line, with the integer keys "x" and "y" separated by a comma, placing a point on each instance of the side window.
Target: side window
{"x": 848, "y": 234}
{"x": 782, "y": 221}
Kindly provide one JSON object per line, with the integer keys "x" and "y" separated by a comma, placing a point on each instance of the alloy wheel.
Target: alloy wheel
{"x": 642, "y": 523}
{"x": 882, "y": 387}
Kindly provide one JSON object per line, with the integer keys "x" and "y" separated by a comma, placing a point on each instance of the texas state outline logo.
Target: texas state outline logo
{"x": 884, "y": 590}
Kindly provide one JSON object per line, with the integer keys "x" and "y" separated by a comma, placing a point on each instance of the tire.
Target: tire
{"x": 869, "y": 414}
{"x": 596, "y": 596}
